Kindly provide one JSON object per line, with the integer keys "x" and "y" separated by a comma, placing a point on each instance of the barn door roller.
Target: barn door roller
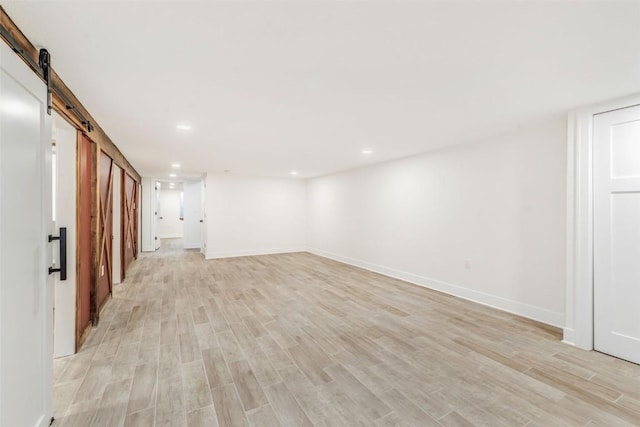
{"x": 44, "y": 59}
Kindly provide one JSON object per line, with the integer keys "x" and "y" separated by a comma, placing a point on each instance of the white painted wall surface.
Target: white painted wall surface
{"x": 147, "y": 215}
{"x": 117, "y": 225}
{"x": 250, "y": 215}
{"x": 169, "y": 224}
{"x": 64, "y": 342}
{"x": 193, "y": 215}
{"x": 483, "y": 221}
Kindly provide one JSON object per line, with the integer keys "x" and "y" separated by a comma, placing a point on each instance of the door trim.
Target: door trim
{"x": 578, "y": 330}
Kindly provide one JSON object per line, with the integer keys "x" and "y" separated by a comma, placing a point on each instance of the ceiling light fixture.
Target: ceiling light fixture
{"x": 367, "y": 152}
{"x": 172, "y": 175}
{"x": 175, "y": 165}
{"x": 183, "y": 126}
{"x": 294, "y": 172}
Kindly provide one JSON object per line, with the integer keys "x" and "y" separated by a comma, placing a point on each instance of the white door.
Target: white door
{"x": 64, "y": 209}
{"x": 616, "y": 186}
{"x": 26, "y": 289}
{"x": 193, "y": 215}
{"x": 158, "y": 216}
{"x": 171, "y": 224}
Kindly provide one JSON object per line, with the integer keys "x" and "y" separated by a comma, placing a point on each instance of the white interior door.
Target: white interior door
{"x": 616, "y": 175}
{"x": 193, "y": 215}
{"x": 26, "y": 289}
{"x": 158, "y": 215}
{"x": 171, "y": 224}
{"x": 64, "y": 197}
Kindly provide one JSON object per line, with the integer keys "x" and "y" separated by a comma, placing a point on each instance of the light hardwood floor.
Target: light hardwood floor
{"x": 298, "y": 340}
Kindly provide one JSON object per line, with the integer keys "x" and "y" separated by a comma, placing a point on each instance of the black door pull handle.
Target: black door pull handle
{"x": 62, "y": 238}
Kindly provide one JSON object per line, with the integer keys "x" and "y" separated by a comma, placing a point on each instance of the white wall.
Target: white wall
{"x": 193, "y": 215}
{"x": 484, "y": 221}
{"x": 249, "y": 215}
{"x": 170, "y": 225}
{"x": 147, "y": 215}
{"x": 65, "y": 205}
{"x": 116, "y": 251}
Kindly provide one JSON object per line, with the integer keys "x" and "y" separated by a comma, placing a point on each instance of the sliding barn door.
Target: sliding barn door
{"x": 130, "y": 222}
{"x": 85, "y": 250}
{"x": 105, "y": 228}
{"x": 26, "y": 286}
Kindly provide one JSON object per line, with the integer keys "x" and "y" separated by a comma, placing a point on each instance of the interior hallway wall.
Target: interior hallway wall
{"x": 250, "y": 215}
{"x": 148, "y": 215}
{"x": 65, "y": 291}
{"x": 484, "y": 221}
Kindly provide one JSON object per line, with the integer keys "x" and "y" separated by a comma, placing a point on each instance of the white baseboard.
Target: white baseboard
{"x": 252, "y": 252}
{"x": 192, "y": 245}
{"x": 171, "y": 236}
{"x": 504, "y": 304}
{"x": 568, "y": 336}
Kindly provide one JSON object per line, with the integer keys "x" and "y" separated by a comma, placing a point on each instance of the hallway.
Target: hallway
{"x": 297, "y": 340}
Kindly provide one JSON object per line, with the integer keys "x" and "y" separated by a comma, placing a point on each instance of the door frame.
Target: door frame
{"x": 578, "y": 330}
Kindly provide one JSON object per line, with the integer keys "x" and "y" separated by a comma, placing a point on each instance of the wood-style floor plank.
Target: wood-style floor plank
{"x": 299, "y": 340}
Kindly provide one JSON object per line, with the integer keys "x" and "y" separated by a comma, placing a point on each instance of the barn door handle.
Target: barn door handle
{"x": 63, "y": 253}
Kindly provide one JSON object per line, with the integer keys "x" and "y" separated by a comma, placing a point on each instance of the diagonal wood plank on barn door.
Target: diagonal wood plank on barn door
{"x": 105, "y": 229}
{"x": 130, "y": 223}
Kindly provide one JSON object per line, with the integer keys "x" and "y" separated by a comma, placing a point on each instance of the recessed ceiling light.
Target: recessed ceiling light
{"x": 367, "y": 152}
{"x": 183, "y": 126}
{"x": 172, "y": 175}
{"x": 294, "y": 172}
{"x": 175, "y": 165}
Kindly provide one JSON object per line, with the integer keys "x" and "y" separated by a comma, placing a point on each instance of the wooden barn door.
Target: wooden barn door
{"x": 105, "y": 229}
{"x": 129, "y": 222}
{"x": 85, "y": 250}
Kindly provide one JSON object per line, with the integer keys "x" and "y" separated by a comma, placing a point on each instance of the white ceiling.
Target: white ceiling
{"x": 270, "y": 87}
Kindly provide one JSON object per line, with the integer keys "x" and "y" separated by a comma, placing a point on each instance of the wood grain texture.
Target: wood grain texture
{"x": 297, "y": 340}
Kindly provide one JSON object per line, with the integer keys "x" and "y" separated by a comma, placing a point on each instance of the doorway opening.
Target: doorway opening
{"x": 601, "y": 201}
{"x": 174, "y": 213}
